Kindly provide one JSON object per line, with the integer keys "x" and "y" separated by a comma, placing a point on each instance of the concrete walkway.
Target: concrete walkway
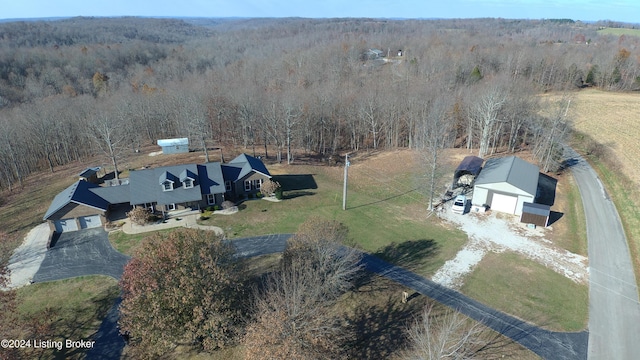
{"x": 188, "y": 221}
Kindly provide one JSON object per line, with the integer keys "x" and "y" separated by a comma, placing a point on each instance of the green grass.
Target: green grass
{"x": 573, "y": 235}
{"x": 619, "y": 31}
{"x": 377, "y": 218}
{"x": 126, "y": 243}
{"x": 528, "y": 290}
{"x": 79, "y": 306}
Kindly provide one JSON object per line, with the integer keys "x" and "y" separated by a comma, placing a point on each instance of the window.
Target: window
{"x": 247, "y": 185}
{"x": 170, "y": 207}
{"x": 257, "y": 183}
{"x": 188, "y": 183}
{"x": 167, "y": 186}
{"x": 227, "y": 186}
{"x": 211, "y": 199}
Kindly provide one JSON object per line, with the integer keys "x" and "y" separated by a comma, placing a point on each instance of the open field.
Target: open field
{"x": 619, "y": 31}
{"x": 611, "y": 120}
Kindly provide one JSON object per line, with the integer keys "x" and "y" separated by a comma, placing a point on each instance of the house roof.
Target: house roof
{"x": 242, "y": 165}
{"x": 173, "y": 142}
{"x": 113, "y": 194}
{"x": 511, "y": 170}
{"x": 211, "y": 178}
{"x": 470, "y": 164}
{"x": 89, "y": 172}
{"x": 77, "y": 193}
{"x": 146, "y": 186}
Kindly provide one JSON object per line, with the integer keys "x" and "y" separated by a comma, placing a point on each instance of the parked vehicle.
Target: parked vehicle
{"x": 459, "y": 204}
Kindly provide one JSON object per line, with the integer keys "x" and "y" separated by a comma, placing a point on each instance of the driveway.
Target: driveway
{"x": 80, "y": 253}
{"x": 614, "y": 309}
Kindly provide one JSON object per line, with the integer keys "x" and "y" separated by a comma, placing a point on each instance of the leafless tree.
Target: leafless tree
{"x": 108, "y": 132}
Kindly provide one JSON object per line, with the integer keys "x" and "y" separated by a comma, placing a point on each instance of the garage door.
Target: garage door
{"x": 66, "y": 225}
{"x": 504, "y": 203}
{"x": 87, "y": 222}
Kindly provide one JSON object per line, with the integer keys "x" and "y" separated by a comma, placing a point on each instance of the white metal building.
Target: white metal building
{"x": 174, "y": 146}
{"x": 505, "y": 184}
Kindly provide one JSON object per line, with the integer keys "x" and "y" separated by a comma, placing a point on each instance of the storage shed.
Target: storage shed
{"x": 537, "y": 214}
{"x": 505, "y": 184}
{"x": 467, "y": 171}
{"x": 90, "y": 174}
{"x": 174, "y": 146}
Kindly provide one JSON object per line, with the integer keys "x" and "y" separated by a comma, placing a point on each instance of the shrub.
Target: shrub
{"x": 216, "y": 208}
{"x": 259, "y": 195}
{"x": 278, "y": 193}
{"x": 210, "y": 208}
{"x": 270, "y": 187}
{"x": 140, "y": 216}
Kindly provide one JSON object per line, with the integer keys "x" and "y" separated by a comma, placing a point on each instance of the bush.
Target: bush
{"x": 140, "y": 216}
{"x": 270, "y": 187}
{"x": 279, "y": 193}
{"x": 259, "y": 195}
{"x": 216, "y": 208}
{"x": 210, "y": 208}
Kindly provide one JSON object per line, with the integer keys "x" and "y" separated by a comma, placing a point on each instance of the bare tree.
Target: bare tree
{"x": 444, "y": 336}
{"x": 293, "y": 318}
{"x": 484, "y": 115}
{"x": 109, "y": 134}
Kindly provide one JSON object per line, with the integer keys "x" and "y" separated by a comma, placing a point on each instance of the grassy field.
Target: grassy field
{"x": 619, "y": 31}
{"x": 79, "y": 304}
{"x": 617, "y": 162}
{"x": 530, "y": 291}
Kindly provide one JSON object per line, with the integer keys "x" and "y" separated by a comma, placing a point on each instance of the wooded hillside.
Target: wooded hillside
{"x": 74, "y": 88}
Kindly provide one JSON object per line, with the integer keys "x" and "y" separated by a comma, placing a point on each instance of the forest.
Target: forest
{"x": 75, "y": 88}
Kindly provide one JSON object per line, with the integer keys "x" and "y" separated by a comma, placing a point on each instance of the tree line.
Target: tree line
{"x": 292, "y": 85}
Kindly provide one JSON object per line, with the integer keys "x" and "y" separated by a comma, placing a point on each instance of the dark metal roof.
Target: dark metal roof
{"x": 77, "y": 193}
{"x": 470, "y": 164}
{"x": 511, "y": 170}
{"x": 536, "y": 209}
{"x": 247, "y": 164}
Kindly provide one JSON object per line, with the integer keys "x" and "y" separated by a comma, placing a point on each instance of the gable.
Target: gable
{"x": 78, "y": 193}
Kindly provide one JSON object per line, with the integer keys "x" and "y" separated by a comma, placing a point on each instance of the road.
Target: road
{"x": 614, "y": 309}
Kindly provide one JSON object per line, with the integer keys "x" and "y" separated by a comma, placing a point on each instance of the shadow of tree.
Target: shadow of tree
{"x": 409, "y": 254}
{"x": 295, "y": 194}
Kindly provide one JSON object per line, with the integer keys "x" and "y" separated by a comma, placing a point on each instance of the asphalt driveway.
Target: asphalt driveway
{"x": 80, "y": 253}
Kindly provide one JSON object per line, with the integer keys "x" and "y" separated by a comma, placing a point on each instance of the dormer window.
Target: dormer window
{"x": 187, "y": 183}
{"x": 167, "y": 185}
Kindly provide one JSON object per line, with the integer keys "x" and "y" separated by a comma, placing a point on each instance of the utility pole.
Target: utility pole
{"x": 346, "y": 176}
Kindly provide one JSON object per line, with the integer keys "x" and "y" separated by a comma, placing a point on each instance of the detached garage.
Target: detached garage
{"x": 505, "y": 184}
{"x": 76, "y": 207}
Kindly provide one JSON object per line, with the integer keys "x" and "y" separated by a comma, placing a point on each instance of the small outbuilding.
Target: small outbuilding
{"x": 90, "y": 174}
{"x": 174, "y": 146}
{"x": 467, "y": 171}
{"x": 505, "y": 184}
{"x": 537, "y": 214}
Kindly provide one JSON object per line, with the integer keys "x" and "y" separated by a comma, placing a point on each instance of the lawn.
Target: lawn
{"x": 619, "y": 31}
{"x": 79, "y": 306}
{"x": 530, "y": 291}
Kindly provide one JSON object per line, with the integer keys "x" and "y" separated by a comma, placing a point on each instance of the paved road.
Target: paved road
{"x": 547, "y": 344}
{"x": 79, "y": 253}
{"x": 614, "y": 309}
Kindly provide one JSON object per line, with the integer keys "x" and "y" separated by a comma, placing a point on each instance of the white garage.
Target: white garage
{"x": 505, "y": 184}
{"x": 65, "y": 225}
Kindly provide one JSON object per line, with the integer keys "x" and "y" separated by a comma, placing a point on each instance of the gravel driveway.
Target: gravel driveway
{"x": 501, "y": 232}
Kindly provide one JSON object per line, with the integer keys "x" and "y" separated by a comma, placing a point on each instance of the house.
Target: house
{"x": 505, "y": 184}
{"x": 244, "y": 175}
{"x": 174, "y": 146}
{"x": 163, "y": 189}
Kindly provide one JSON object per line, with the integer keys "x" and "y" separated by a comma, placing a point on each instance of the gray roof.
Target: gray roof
{"x": 536, "y": 209}
{"x": 145, "y": 186}
{"x": 77, "y": 193}
{"x": 211, "y": 179}
{"x": 511, "y": 170}
{"x": 113, "y": 194}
